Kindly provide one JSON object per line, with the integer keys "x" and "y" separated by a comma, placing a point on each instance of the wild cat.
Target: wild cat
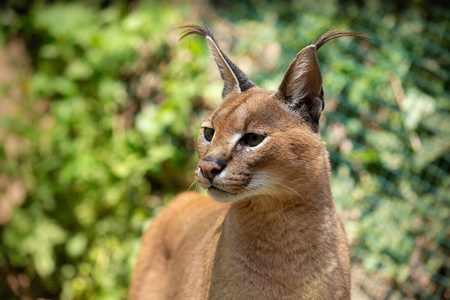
{"x": 269, "y": 228}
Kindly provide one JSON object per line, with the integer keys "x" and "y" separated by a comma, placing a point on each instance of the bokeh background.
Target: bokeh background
{"x": 100, "y": 106}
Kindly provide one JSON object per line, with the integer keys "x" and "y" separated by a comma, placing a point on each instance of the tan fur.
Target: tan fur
{"x": 273, "y": 232}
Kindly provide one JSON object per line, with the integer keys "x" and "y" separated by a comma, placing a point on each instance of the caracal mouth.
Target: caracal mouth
{"x": 254, "y": 188}
{"x": 222, "y": 195}
{"x": 215, "y": 190}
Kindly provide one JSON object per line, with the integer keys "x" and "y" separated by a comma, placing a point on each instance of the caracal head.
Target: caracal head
{"x": 259, "y": 144}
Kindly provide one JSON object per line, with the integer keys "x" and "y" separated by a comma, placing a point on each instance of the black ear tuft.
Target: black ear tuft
{"x": 333, "y": 34}
{"x": 235, "y": 80}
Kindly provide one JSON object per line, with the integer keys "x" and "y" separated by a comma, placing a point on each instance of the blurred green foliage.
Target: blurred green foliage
{"x": 106, "y": 121}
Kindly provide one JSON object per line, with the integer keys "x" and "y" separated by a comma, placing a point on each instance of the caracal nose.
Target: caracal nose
{"x": 209, "y": 169}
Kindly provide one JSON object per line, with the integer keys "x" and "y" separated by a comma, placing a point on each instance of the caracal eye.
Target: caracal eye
{"x": 208, "y": 133}
{"x": 253, "y": 139}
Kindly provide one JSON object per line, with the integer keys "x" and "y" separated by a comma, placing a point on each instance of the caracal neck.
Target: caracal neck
{"x": 271, "y": 252}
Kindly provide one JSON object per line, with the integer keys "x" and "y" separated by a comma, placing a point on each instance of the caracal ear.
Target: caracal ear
{"x": 235, "y": 81}
{"x": 301, "y": 88}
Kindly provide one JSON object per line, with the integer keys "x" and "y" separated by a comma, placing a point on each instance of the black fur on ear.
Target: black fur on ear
{"x": 235, "y": 80}
{"x": 301, "y": 88}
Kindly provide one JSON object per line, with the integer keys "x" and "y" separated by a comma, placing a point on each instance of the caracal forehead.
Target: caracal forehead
{"x": 253, "y": 108}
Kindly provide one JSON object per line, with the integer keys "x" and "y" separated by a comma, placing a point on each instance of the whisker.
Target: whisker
{"x": 195, "y": 181}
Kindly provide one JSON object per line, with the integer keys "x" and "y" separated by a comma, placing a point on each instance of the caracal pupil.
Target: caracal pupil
{"x": 269, "y": 229}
